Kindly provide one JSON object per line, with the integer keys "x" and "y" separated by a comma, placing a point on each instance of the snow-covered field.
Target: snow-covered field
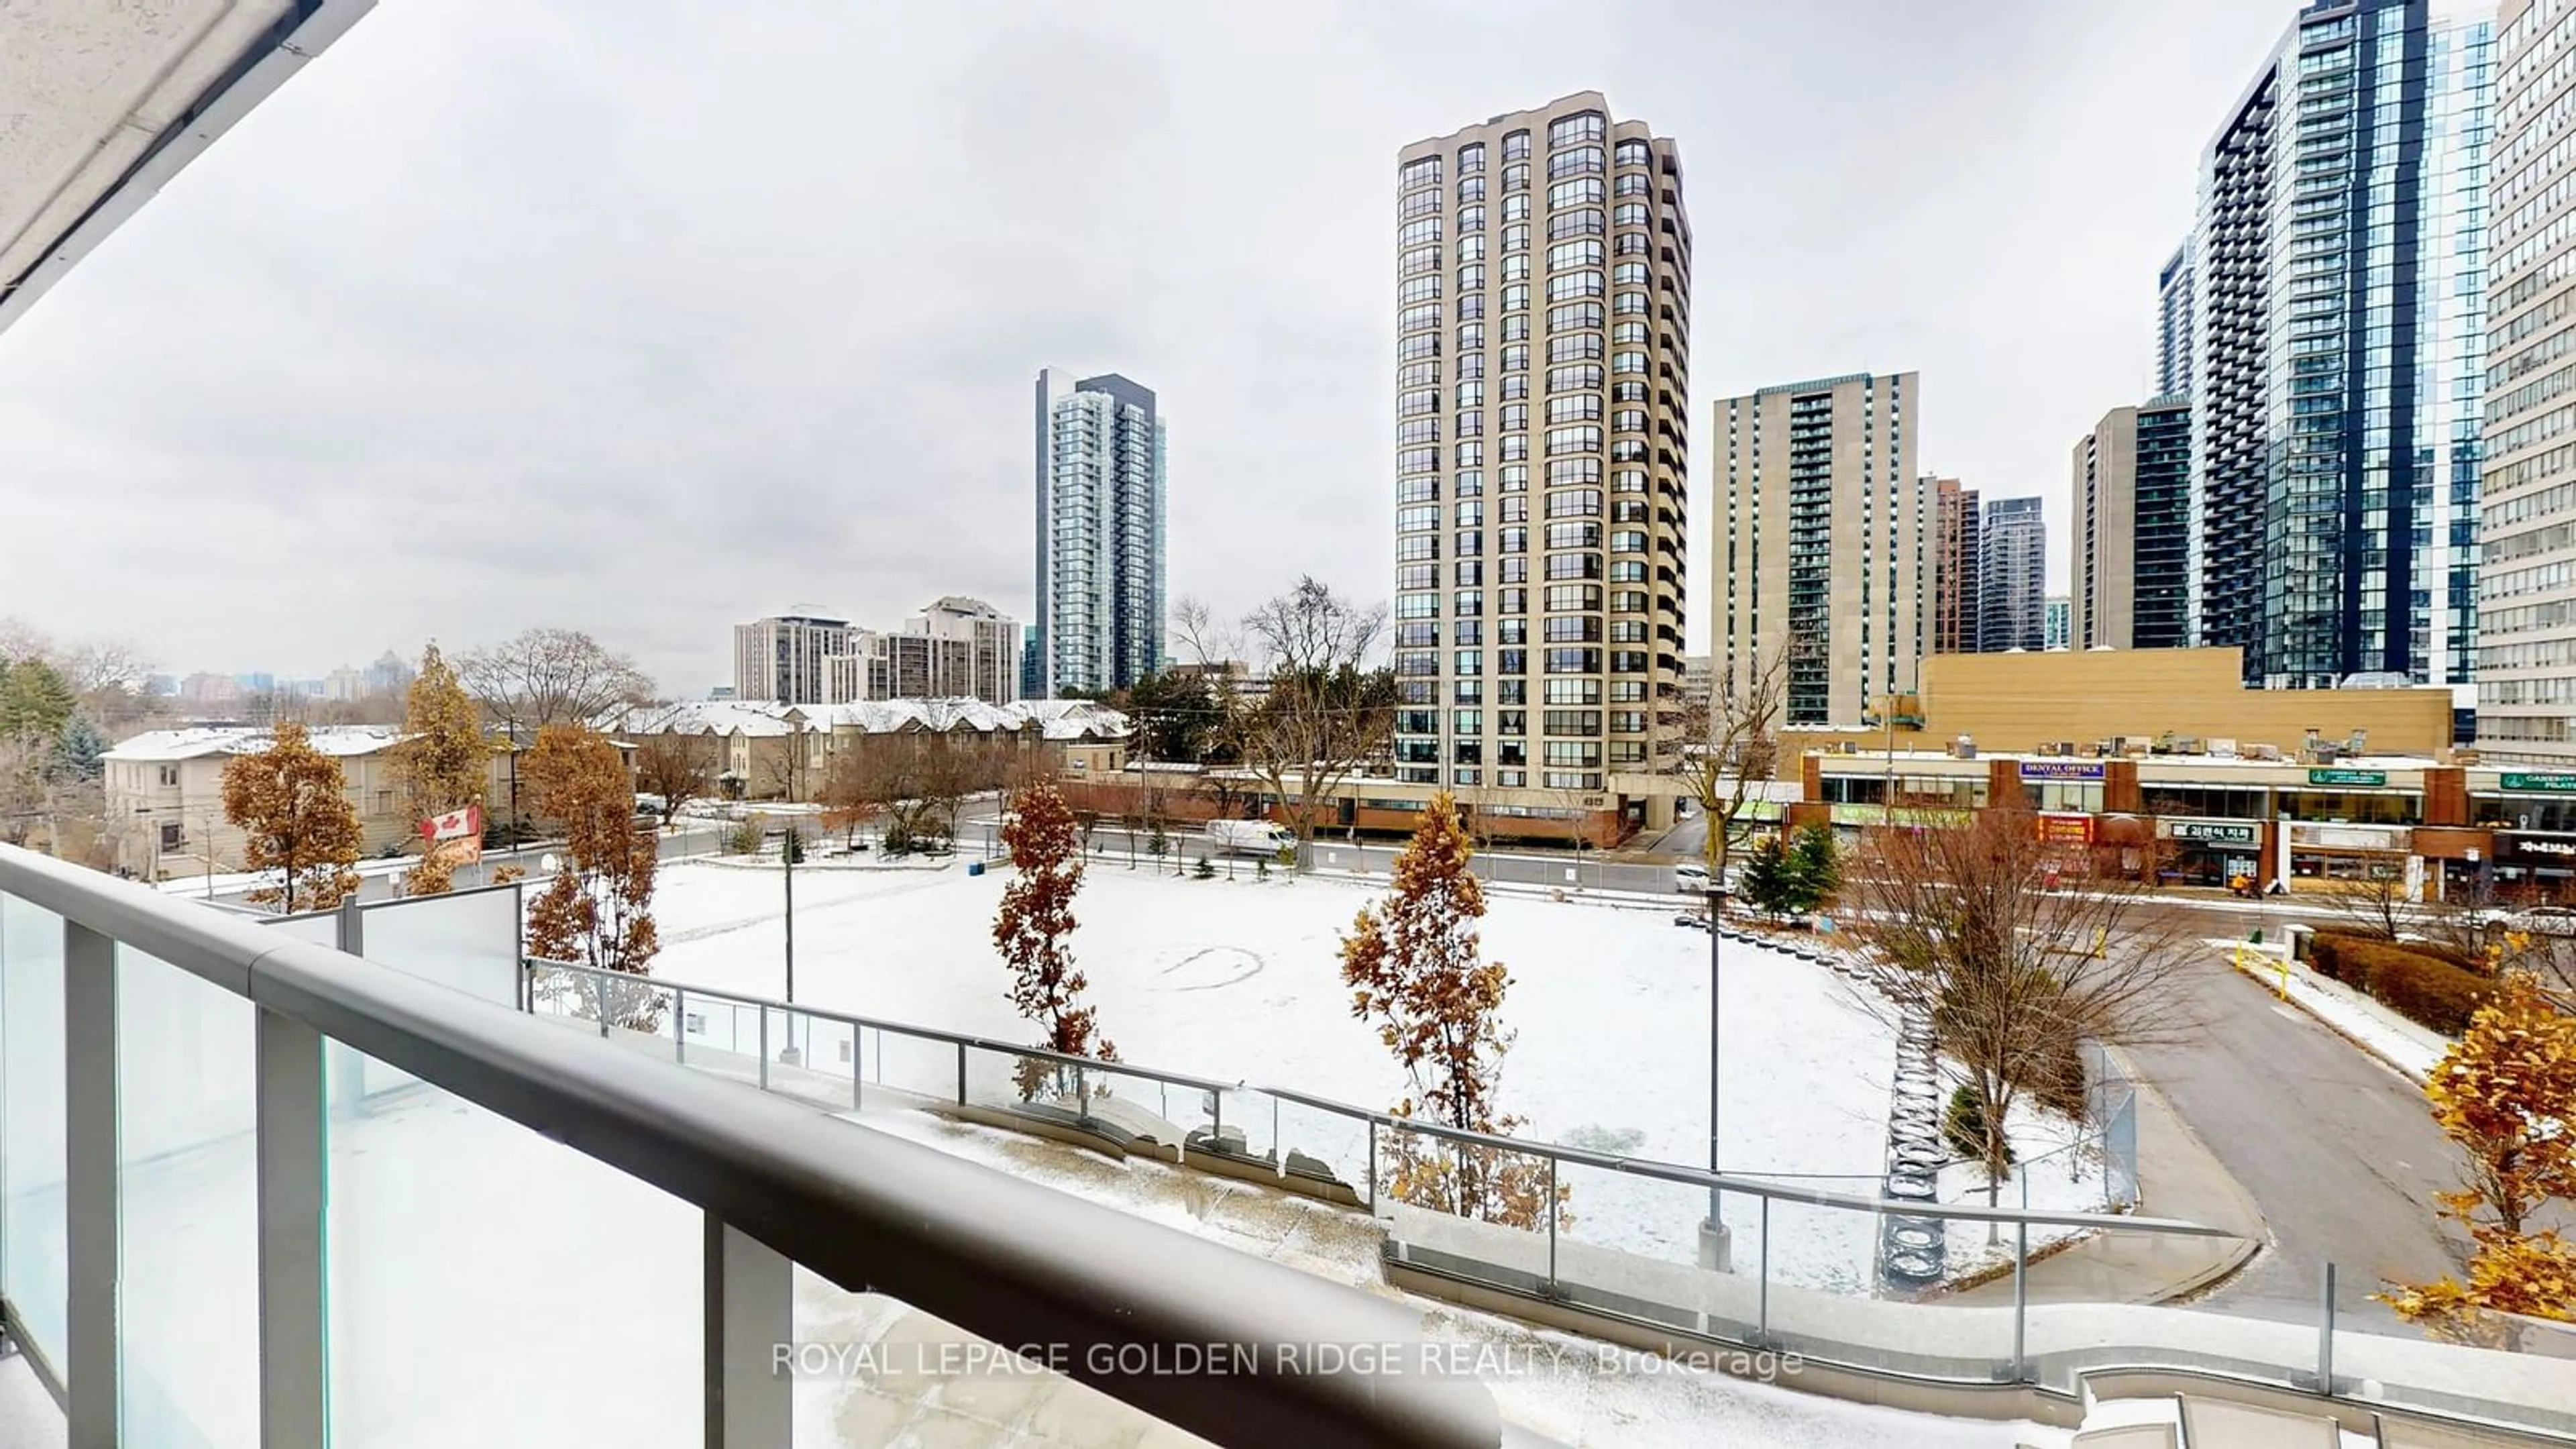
{"x": 1238, "y": 981}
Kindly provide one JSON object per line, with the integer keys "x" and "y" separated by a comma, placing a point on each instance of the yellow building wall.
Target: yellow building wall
{"x": 2018, "y": 702}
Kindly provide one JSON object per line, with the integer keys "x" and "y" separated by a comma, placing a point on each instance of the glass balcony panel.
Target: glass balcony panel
{"x": 468, "y": 942}
{"x": 814, "y": 1059}
{"x": 912, "y": 1070}
{"x": 1327, "y": 1152}
{"x": 34, "y": 1250}
{"x": 489, "y": 1286}
{"x": 1419, "y": 1193}
{"x": 188, "y": 1209}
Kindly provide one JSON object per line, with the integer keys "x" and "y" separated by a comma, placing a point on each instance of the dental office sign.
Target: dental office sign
{"x": 2066, "y": 770}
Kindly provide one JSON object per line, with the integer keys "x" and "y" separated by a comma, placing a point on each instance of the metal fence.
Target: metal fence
{"x": 176, "y": 1171}
{"x": 1800, "y": 1280}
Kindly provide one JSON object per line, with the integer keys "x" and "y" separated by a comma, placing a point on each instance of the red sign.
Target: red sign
{"x": 2066, "y": 829}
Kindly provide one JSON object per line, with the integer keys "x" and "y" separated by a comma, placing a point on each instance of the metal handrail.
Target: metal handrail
{"x": 1698, "y": 1177}
{"x": 1009, "y": 1260}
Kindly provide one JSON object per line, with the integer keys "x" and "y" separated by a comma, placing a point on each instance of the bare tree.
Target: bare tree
{"x": 545, "y": 677}
{"x": 1218, "y": 651}
{"x": 956, "y": 765}
{"x": 22, "y": 640}
{"x": 2016, "y": 951}
{"x": 917, "y": 783}
{"x": 1729, "y": 745}
{"x": 26, "y": 786}
{"x": 785, "y": 770}
{"x": 96, "y": 666}
{"x": 552, "y": 676}
{"x": 679, "y": 768}
{"x": 1327, "y": 715}
{"x": 2377, "y": 909}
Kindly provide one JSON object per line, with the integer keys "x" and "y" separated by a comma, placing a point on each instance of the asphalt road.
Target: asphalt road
{"x": 2337, "y": 1150}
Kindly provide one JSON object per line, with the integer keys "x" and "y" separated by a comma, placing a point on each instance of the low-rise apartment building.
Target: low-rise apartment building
{"x": 768, "y": 751}
{"x": 164, "y": 794}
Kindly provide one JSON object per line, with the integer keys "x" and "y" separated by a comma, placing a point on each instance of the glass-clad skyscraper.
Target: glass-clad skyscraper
{"x": 2339, "y": 350}
{"x": 2012, "y": 576}
{"x": 1100, "y": 501}
{"x": 2174, "y": 283}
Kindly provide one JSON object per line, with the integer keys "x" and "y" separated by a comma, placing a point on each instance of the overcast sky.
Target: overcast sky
{"x": 647, "y": 317}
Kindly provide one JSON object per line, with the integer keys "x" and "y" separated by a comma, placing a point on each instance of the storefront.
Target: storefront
{"x": 2352, "y": 855}
{"x": 2209, "y": 852}
{"x": 2457, "y": 861}
{"x": 2063, "y": 786}
{"x": 2537, "y": 866}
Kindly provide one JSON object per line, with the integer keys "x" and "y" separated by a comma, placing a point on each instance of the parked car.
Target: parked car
{"x": 2544, "y": 921}
{"x": 1690, "y": 878}
{"x": 1249, "y": 837}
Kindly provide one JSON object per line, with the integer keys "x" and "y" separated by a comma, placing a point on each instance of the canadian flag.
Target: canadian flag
{"x": 454, "y": 825}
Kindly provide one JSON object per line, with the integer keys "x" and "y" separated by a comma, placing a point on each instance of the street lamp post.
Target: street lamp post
{"x": 1713, "y": 1252}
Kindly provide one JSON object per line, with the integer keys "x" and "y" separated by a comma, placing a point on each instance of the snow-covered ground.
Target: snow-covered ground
{"x": 1239, "y": 981}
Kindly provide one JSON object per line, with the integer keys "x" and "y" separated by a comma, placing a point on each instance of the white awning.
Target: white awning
{"x": 103, "y": 101}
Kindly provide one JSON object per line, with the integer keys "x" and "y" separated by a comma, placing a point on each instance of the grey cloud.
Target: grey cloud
{"x": 649, "y": 317}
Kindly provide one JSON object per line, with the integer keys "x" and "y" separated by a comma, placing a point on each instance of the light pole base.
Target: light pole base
{"x": 1716, "y": 1248}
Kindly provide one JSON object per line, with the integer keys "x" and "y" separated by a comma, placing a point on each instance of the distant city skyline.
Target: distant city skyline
{"x": 659, "y": 350}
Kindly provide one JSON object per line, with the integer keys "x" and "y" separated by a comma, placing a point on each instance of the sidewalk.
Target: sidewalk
{"x": 2178, "y": 1177}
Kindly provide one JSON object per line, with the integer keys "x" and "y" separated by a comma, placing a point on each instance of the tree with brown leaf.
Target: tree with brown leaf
{"x": 1034, "y": 927}
{"x": 849, "y": 802}
{"x": 597, "y": 911}
{"x": 440, "y": 764}
{"x": 2506, "y": 1093}
{"x": 291, "y": 803}
{"x": 1416, "y": 963}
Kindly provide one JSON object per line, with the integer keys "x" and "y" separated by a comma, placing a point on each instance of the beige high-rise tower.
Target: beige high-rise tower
{"x": 1826, "y": 553}
{"x": 1542, "y": 396}
{"x": 2526, "y": 607}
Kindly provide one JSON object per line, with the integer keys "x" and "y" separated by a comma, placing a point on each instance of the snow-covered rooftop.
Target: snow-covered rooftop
{"x": 158, "y": 746}
{"x": 1055, "y": 719}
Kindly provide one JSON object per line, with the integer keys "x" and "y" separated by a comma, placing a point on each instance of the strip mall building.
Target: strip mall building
{"x": 2164, "y": 748}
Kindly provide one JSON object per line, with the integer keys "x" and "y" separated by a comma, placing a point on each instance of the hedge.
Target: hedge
{"x": 2426, "y": 989}
{"x": 2429, "y": 984}
{"x": 2324, "y": 953}
{"x": 2325, "y": 948}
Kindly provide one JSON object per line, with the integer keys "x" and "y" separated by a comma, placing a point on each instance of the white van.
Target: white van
{"x": 1249, "y": 837}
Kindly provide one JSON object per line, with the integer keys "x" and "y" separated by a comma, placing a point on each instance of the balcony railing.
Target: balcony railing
{"x": 256, "y": 1191}
{"x": 294, "y": 1171}
{"x": 1796, "y": 1276}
